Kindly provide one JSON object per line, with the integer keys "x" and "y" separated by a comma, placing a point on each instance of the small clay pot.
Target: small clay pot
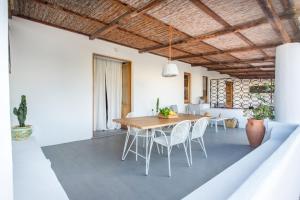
{"x": 255, "y": 130}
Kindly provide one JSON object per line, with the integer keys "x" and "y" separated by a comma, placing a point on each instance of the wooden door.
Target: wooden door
{"x": 229, "y": 94}
{"x": 126, "y": 88}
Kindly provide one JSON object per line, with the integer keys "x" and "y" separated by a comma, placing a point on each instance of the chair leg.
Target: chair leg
{"x": 190, "y": 148}
{"x": 150, "y": 150}
{"x": 224, "y": 125}
{"x": 125, "y": 146}
{"x": 201, "y": 142}
{"x": 136, "y": 148}
{"x": 169, "y": 162}
{"x": 216, "y": 126}
{"x": 129, "y": 148}
{"x": 204, "y": 147}
{"x": 186, "y": 154}
{"x": 157, "y": 147}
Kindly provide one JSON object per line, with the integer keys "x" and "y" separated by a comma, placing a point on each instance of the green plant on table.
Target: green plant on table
{"x": 166, "y": 112}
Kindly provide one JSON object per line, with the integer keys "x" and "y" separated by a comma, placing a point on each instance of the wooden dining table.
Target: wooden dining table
{"x": 150, "y": 123}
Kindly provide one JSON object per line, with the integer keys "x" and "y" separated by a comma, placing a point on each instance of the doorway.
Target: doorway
{"x": 229, "y": 94}
{"x": 111, "y": 93}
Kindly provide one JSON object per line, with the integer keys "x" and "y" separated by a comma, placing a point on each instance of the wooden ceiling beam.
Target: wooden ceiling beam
{"x": 125, "y": 18}
{"x": 251, "y": 73}
{"x": 256, "y": 77}
{"x": 234, "y": 50}
{"x": 248, "y": 61}
{"x": 237, "y": 68}
{"x": 274, "y": 20}
{"x": 236, "y": 28}
{"x": 244, "y": 71}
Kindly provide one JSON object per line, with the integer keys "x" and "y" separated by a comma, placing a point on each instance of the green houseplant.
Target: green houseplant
{"x": 255, "y": 127}
{"x": 22, "y": 131}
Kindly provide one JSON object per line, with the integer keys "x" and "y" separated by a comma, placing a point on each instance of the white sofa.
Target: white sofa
{"x": 34, "y": 178}
{"x": 271, "y": 171}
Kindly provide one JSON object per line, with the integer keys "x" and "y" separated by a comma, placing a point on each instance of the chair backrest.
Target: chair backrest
{"x": 180, "y": 132}
{"x": 174, "y": 108}
{"x": 199, "y": 127}
{"x": 193, "y": 109}
{"x": 130, "y": 114}
{"x": 131, "y": 129}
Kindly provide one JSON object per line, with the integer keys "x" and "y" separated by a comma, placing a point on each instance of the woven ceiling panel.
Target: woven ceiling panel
{"x": 56, "y": 17}
{"x": 248, "y": 54}
{"x": 152, "y": 29}
{"x": 235, "y": 11}
{"x": 165, "y": 52}
{"x": 195, "y": 47}
{"x": 123, "y": 37}
{"x": 221, "y": 57}
{"x": 227, "y": 41}
{"x": 185, "y": 16}
{"x": 261, "y": 34}
{"x": 195, "y": 60}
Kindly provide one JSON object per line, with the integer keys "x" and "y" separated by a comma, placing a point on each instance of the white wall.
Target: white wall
{"x": 6, "y": 191}
{"x": 53, "y": 68}
{"x": 287, "y": 72}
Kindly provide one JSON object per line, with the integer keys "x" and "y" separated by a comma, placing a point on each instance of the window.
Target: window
{"x": 187, "y": 87}
{"x": 205, "y": 89}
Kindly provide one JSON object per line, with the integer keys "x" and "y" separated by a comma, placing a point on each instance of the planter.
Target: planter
{"x": 21, "y": 133}
{"x": 255, "y": 130}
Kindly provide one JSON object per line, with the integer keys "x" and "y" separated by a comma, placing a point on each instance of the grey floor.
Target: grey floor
{"x": 92, "y": 169}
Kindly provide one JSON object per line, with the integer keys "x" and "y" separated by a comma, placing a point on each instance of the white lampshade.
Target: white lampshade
{"x": 169, "y": 70}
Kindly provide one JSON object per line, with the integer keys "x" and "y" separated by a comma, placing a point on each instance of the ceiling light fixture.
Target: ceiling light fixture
{"x": 170, "y": 69}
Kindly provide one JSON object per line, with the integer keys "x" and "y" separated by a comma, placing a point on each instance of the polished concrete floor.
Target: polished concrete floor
{"x": 93, "y": 170}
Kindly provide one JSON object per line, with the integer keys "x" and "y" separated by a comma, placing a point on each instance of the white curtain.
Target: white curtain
{"x": 99, "y": 95}
{"x": 107, "y": 93}
{"x": 114, "y": 93}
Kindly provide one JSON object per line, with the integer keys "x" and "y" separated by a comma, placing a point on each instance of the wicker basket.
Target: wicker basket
{"x": 231, "y": 123}
{"x": 168, "y": 117}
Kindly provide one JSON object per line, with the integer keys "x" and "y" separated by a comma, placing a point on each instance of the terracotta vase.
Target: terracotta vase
{"x": 255, "y": 130}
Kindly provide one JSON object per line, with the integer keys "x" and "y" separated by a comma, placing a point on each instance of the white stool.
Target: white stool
{"x": 215, "y": 121}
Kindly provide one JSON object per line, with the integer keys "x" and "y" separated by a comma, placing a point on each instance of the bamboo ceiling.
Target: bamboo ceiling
{"x": 235, "y": 37}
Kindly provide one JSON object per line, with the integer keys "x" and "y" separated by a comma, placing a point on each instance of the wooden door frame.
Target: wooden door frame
{"x": 189, "y": 87}
{"x": 93, "y": 83}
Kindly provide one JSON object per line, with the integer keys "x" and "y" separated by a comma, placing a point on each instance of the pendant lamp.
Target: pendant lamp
{"x": 170, "y": 69}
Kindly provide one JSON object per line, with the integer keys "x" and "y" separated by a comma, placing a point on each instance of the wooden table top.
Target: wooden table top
{"x": 150, "y": 122}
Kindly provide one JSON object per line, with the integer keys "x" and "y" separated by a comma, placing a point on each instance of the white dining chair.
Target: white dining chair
{"x": 197, "y": 135}
{"x": 136, "y": 134}
{"x": 178, "y": 135}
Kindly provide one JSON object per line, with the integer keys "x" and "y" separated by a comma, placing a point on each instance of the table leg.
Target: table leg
{"x": 224, "y": 125}
{"x": 216, "y": 125}
{"x": 147, "y": 156}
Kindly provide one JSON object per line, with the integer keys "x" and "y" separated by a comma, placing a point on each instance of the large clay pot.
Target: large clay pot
{"x": 255, "y": 130}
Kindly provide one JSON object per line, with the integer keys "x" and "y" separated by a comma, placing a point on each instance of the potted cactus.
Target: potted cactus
{"x": 22, "y": 131}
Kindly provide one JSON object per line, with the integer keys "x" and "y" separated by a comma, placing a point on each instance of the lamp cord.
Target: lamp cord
{"x": 170, "y": 41}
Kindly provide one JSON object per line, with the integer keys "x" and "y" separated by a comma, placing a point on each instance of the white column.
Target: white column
{"x": 6, "y": 185}
{"x": 287, "y": 83}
